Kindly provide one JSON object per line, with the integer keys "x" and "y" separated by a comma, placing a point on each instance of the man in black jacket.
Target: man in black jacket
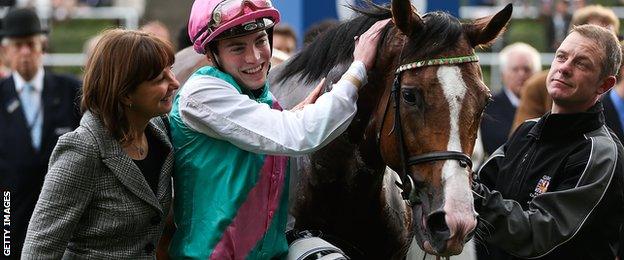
{"x": 36, "y": 107}
{"x": 555, "y": 189}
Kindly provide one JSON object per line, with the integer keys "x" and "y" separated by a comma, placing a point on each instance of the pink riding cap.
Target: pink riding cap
{"x": 210, "y": 18}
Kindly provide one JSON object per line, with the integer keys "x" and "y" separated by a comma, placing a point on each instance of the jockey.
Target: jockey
{"x": 230, "y": 135}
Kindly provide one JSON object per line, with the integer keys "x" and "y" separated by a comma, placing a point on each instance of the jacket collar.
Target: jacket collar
{"x": 121, "y": 164}
{"x": 564, "y": 126}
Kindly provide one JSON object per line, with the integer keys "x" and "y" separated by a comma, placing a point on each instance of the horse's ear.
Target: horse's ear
{"x": 485, "y": 30}
{"x": 405, "y": 18}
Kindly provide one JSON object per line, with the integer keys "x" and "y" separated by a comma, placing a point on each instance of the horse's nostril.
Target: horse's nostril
{"x": 436, "y": 223}
{"x": 440, "y": 233}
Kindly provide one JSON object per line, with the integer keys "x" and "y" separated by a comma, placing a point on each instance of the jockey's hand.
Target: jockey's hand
{"x": 311, "y": 97}
{"x": 366, "y": 44}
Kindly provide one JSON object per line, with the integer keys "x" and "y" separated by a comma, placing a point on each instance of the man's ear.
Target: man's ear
{"x": 44, "y": 44}
{"x": 607, "y": 84}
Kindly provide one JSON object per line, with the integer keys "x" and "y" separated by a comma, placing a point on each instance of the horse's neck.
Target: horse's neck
{"x": 288, "y": 92}
{"x": 352, "y": 149}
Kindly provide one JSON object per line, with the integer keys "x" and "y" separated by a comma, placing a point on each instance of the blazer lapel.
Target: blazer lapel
{"x": 130, "y": 176}
{"x": 14, "y": 110}
{"x": 119, "y": 162}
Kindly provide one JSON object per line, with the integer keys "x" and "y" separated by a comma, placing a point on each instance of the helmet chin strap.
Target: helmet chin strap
{"x": 213, "y": 58}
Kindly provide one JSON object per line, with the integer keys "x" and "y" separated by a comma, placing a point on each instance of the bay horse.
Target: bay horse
{"x": 418, "y": 114}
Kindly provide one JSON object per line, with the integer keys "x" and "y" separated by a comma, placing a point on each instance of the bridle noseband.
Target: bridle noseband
{"x": 409, "y": 193}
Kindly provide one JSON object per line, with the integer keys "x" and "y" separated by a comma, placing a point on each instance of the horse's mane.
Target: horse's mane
{"x": 334, "y": 47}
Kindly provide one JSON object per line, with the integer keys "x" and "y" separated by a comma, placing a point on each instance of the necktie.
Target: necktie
{"x": 32, "y": 110}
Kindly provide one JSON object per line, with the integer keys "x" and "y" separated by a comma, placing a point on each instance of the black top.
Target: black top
{"x": 153, "y": 162}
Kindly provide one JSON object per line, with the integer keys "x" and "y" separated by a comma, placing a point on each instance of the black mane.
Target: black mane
{"x": 316, "y": 60}
{"x": 442, "y": 32}
{"x": 334, "y": 47}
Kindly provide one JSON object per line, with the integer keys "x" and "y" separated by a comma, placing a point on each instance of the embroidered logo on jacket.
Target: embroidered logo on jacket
{"x": 542, "y": 186}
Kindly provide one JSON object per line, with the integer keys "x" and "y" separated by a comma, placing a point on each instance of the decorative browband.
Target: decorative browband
{"x": 437, "y": 62}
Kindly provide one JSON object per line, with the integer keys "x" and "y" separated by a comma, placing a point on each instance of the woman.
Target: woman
{"x": 108, "y": 188}
{"x": 231, "y": 137}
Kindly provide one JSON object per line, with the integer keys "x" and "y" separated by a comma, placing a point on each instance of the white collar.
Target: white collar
{"x": 36, "y": 82}
{"x": 512, "y": 97}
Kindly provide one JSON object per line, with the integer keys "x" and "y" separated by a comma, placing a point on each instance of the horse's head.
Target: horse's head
{"x": 426, "y": 124}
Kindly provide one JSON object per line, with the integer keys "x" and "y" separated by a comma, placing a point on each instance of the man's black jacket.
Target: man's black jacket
{"x": 556, "y": 190}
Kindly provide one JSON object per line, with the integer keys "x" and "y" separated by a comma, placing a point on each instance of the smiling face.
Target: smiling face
{"x": 154, "y": 97}
{"x": 246, "y": 58}
{"x": 574, "y": 81}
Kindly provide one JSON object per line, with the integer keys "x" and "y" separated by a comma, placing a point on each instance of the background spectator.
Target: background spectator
{"x": 518, "y": 62}
{"x": 557, "y": 24}
{"x": 284, "y": 44}
{"x": 157, "y": 28}
{"x": 183, "y": 39}
{"x": 285, "y": 39}
{"x": 37, "y": 107}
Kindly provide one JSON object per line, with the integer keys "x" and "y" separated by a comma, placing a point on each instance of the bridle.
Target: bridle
{"x": 407, "y": 184}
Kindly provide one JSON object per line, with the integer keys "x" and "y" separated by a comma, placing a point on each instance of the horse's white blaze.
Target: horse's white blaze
{"x": 458, "y": 202}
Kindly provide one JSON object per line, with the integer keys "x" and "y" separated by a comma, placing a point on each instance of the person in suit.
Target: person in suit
{"x": 518, "y": 61}
{"x": 36, "y": 107}
{"x": 108, "y": 187}
{"x": 557, "y": 23}
{"x": 613, "y": 103}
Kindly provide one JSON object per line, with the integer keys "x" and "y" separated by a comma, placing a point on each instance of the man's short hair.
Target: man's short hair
{"x": 609, "y": 43}
{"x": 583, "y": 15}
{"x": 285, "y": 30}
{"x": 523, "y": 48}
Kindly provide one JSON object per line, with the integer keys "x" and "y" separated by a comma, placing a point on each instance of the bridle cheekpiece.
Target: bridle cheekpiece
{"x": 407, "y": 183}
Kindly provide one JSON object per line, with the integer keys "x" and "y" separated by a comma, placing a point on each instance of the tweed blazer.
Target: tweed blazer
{"x": 95, "y": 203}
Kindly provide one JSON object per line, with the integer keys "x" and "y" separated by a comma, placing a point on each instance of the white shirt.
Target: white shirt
{"x": 515, "y": 101}
{"x": 214, "y": 107}
{"x": 36, "y": 82}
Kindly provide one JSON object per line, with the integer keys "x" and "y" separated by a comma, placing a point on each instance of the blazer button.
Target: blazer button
{"x": 149, "y": 248}
{"x": 155, "y": 220}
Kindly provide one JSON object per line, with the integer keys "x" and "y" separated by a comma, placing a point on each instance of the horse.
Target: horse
{"x": 418, "y": 114}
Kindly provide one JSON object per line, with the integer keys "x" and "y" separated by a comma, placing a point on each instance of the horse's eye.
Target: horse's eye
{"x": 410, "y": 97}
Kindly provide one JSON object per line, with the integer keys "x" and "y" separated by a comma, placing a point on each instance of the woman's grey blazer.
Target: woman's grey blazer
{"x": 95, "y": 203}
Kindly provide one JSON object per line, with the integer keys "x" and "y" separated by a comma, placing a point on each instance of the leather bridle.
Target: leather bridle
{"x": 407, "y": 185}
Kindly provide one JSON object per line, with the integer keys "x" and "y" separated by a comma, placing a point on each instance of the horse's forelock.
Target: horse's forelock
{"x": 442, "y": 32}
